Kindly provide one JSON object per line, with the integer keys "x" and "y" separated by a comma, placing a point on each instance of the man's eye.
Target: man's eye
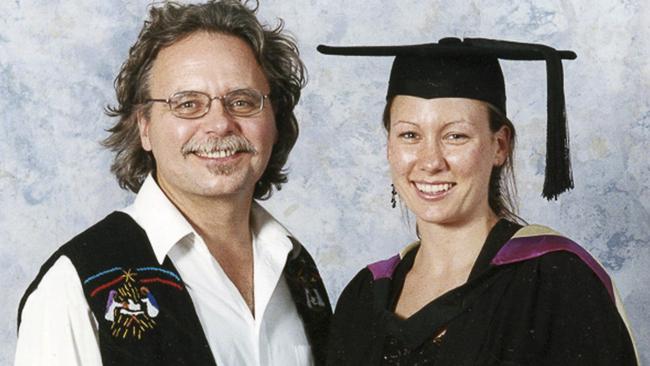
{"x": 241, "y": 103}
{"x": 188, "y": 104}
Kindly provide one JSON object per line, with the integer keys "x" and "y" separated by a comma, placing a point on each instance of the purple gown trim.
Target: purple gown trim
{"x": 385, "y": 268}
{"x": 523, "y": 248}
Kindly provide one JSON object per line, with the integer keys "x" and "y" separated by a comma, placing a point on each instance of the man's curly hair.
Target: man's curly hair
{"x": 275, "y": 51}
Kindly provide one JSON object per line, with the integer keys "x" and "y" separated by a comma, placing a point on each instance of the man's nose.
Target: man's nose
{"x": 218, "y": 120}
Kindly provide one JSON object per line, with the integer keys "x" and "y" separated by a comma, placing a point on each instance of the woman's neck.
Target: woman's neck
{"x": 452, "y": 248}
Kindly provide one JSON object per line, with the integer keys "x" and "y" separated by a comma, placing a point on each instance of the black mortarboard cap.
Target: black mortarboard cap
{"x": 469, "y": 68}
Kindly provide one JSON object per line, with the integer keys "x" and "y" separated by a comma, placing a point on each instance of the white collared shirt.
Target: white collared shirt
{"x": 58, "y": 327}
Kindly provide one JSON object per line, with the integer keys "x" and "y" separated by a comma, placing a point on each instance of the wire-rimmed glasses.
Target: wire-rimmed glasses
{"x": 190, "y": 104}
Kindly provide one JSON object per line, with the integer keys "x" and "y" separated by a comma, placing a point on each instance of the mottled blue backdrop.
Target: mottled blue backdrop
{"x": 58, "y": 59}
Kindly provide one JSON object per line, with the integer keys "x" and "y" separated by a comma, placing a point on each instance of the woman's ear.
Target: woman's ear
{"x": 387, "y": 150}
{"x": 503, "y": 141}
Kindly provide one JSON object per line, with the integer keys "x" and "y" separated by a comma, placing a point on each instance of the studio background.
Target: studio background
{"x": 58, "y": 59}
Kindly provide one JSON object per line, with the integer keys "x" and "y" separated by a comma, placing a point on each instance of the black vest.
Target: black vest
{"x": 146, "y": 315}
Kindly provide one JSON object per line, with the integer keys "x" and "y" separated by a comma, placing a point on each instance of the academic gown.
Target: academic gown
{"x": 533, "y": 297}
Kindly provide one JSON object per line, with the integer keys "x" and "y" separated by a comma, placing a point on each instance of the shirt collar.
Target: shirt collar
{"x": 270, "y": 235}
{"x": 159, "y": 218}
{"x": 165, "y": 225}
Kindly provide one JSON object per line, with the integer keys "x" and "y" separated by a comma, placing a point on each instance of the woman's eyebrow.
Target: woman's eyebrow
{"x": 401, "y": 121}
{"x": 445, "y": 124}
{"x": 459, "y": 121}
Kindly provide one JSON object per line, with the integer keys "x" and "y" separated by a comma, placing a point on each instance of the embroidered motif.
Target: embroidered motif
{"x": 131, "y": 310}
{"x": 309, "y": 280}
{"x": 114, "y": 269}
{"x": 313, "y": 297}
{"x": 131, "y": 306}
{"x": 156, "y": 269}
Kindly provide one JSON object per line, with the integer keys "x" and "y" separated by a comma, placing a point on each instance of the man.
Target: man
{"x": 194, "y": 272}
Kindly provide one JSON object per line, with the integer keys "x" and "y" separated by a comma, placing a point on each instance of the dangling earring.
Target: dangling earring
{"x": 393, "y": 194}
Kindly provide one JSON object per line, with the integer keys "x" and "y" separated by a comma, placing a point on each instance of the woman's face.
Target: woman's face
{"x": 441, "y": 153}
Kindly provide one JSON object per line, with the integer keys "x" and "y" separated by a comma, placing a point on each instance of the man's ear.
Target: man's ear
{"x": 143, "y": 128}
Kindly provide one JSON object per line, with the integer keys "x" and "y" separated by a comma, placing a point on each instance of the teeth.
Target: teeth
{"x": 216, "y": 154}
{"x": 433, "y": 188}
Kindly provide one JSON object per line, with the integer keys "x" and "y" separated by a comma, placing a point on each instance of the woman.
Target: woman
{"x": 478, "y": 288}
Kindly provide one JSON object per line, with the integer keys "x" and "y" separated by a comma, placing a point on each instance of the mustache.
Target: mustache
{"x": 234, "y": 143}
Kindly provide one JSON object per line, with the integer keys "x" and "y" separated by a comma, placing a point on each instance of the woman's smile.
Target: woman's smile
{"x": 433, "y": 191}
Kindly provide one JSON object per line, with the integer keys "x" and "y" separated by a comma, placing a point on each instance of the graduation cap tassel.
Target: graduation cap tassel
{"x": 558, "y": 177}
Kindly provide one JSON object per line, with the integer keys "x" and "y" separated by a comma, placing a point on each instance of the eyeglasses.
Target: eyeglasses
{"x": 191, "y": 104}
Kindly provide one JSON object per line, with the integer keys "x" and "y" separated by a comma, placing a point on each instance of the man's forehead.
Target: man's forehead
{"x": 207, "y": 61}
{"x": 203, "y": 47}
